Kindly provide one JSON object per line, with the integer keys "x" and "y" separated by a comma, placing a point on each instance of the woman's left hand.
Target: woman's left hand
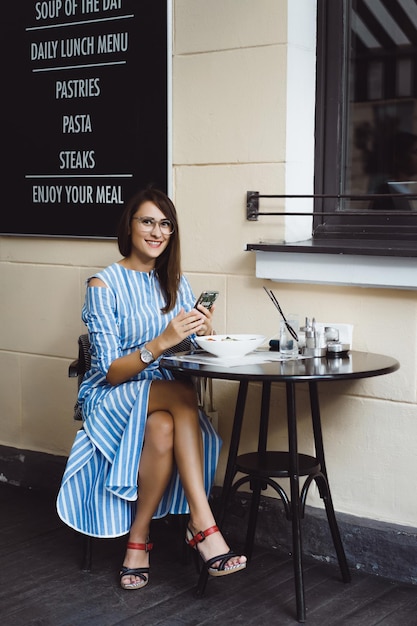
{"x": 207, "y": 326}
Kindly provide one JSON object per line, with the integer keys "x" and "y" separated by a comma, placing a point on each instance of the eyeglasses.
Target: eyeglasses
{"x": 147, "y": 224}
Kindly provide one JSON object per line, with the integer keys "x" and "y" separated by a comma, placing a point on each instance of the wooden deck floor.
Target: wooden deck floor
{"x": 41, "y": 583}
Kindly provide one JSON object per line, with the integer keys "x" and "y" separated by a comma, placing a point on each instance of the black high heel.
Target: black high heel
{"x": 220, "y": 570}
{"x": 140, "y": 572}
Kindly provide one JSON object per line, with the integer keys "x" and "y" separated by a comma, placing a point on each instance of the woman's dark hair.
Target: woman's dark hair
{"x": 168, "y": 265}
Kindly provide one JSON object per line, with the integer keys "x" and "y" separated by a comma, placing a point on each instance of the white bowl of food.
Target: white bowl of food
{"x": 231, "y": 345}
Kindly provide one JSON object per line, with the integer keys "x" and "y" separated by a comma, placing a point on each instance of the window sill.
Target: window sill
{"x": 382, "y": 264}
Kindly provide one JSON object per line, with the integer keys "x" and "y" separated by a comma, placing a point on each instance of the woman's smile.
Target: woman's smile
{"x": 154, "y": 243}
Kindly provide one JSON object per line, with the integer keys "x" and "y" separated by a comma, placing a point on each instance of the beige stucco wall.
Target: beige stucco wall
{"x": 229, "y": 135}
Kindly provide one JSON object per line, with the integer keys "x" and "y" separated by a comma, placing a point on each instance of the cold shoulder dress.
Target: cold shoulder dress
{"x": 99, "y": 489}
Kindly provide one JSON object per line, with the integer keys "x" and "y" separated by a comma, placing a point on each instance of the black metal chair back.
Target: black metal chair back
{"x": 79, "y": 367}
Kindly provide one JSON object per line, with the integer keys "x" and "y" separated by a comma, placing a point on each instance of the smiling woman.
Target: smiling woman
{"x": 146, "y": 449}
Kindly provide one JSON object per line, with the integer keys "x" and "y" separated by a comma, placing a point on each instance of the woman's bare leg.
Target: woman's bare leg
{"x": 179, "y": 397}
{"x": 155, "y": 470}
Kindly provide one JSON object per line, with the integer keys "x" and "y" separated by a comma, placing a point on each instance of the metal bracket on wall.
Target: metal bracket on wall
{"x": 252, "y": 205}
{"x": 253, "y": 212}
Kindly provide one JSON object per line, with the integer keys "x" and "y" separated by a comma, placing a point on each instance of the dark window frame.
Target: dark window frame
{"x": 333, "y": 30}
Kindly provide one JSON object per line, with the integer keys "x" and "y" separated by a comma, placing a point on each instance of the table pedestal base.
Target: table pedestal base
{"x": 262, "y": 467}
{"x": 357, "y": 365}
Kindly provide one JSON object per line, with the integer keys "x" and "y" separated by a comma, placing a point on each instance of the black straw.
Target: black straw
{"x": 276, "y": 304}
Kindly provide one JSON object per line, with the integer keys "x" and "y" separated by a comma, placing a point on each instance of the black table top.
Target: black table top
{"x": 355, "y": 365}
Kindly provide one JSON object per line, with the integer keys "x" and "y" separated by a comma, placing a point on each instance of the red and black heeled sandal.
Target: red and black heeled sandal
{"x": 141, "y": 572}
{"x": 221, "y": 559}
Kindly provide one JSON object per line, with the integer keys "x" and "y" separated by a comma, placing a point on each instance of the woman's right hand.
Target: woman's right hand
{"x": 180, "y": 327}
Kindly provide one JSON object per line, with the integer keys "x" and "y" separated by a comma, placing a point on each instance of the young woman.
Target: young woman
{"x": 145, "y": 450}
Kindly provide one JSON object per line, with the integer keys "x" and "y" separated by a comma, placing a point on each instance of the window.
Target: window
{"x": 366, "y": 120}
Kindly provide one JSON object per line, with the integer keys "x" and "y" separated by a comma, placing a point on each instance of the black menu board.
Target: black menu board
{"x": 85, "y": 112}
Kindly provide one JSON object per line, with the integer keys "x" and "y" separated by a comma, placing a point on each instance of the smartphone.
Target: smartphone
{"x": 207, "y": 299}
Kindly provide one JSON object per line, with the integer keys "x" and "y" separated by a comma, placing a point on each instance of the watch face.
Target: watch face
{"x": 146, "y": 356}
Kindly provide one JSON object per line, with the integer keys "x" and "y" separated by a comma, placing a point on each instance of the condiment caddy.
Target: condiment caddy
{"x": 314, "y": 339}
{"x": 321, "y": 340}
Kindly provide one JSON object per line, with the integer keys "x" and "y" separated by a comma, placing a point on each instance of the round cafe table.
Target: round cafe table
{"x": 263, "y": 467}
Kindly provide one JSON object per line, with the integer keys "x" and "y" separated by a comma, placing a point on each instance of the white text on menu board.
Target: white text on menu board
{"x": 77, "y": 88}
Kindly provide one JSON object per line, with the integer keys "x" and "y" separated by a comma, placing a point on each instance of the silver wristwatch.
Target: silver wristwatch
{"x": 146, "y": 356}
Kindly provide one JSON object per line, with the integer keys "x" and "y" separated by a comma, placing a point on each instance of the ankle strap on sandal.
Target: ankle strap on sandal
{"x": 202, "y": 534}
{"x": 131, "y": 545}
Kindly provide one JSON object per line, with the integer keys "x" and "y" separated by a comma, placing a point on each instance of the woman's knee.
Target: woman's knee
{"x": 160, "y": 431}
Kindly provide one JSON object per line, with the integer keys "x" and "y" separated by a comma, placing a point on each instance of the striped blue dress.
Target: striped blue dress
{"x": 99, "y": 490}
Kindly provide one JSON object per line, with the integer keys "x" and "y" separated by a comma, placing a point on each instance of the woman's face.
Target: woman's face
{"x": 149, "y": 231}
